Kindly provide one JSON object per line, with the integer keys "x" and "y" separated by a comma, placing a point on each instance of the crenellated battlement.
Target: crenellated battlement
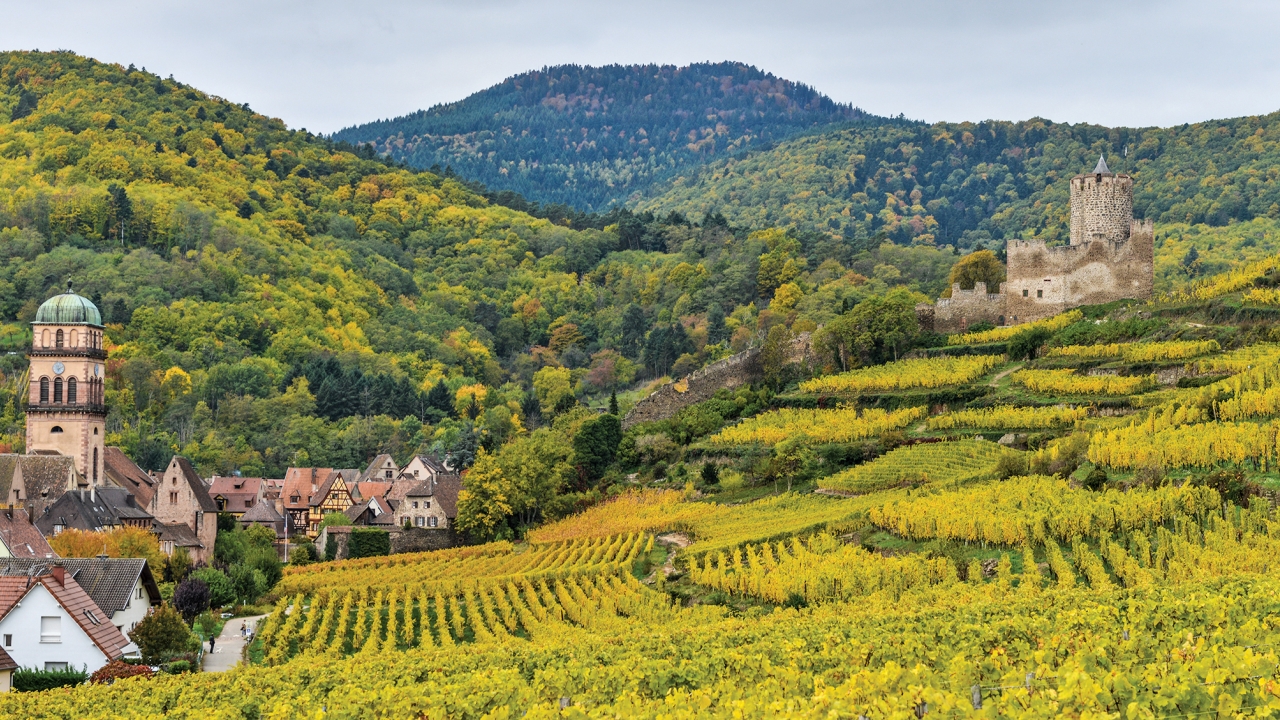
{"x": 1110, "y": 257}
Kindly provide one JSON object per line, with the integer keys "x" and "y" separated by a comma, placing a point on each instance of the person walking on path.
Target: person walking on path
{"x": 231, "y": 645}
{"x": 211, "y": 640}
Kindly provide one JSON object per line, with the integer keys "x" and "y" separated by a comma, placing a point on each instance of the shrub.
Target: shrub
{"x": 178, "y": 666}
{"x": 161, "y": 634}
{"x": 118, "y": 669}
{"x": 221, "y": 590}
{"x": 330, "y": 548}
{"x": 32, "y": 680}
{"x": 304, "y": 554}
{"x": 711, "y": 474}
{"x": 1096, "y": 479}
{"x": 334, "y": 518}
{"x": 191, "y": 598}
{"x": 369, "y": 542}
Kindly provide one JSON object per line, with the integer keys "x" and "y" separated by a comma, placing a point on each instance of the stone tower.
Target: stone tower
{"x": 1101, "y": 205}
{"x": 66, "y": 408}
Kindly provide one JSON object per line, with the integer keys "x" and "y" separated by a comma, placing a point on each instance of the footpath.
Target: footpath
{"x": 227, "y": 650}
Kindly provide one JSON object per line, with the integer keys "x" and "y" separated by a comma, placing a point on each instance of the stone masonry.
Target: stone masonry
{"x": 1110, "y": 257}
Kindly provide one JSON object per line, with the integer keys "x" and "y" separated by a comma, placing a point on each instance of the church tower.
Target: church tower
{"x": 66, "y": 407}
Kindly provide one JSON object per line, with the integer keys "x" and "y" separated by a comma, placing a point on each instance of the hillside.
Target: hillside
{"x": 1116, "y": 559}
{"x": 982, "y": 183}
{"x": 590, "y": 137}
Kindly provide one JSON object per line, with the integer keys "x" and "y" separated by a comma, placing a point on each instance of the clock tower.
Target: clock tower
{"x": 66, "y": 407}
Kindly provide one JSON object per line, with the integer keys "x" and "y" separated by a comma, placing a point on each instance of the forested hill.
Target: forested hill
{"x": 590, "y": 137}
{"x": 971, "y": 183}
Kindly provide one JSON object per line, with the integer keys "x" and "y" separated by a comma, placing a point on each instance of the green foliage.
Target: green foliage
{"x": 303, "y": 554}
{"x": 1025, "y": 345}
{"x": 369, "y": 542}
{"x": 34, "y": 679}
{"x": 221, "y": 591}
{"x": 600, "y": 134}
{"x": 974, "y": 183}
{"x": 330, "y": 549}
{"x": 334, "y": 518}
{"x": 874, "y": 331}
{"x": 596, "y": 445}
{"x": 161, "y": 635}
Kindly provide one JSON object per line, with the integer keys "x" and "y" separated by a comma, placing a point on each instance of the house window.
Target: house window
{"x": 57, "y": 390}
{"x": 173, "y": 498}
{"x": 8, "y": 640}
{"x": 415, "y": 504}
{"x": 44, "y": 389}
{"x": 55, "y": 666}
{"x": 388, "y": 474}
{"x": 55, "y": 430}
{"x": 433, "y": 521}
{"x": 1039, "y": 293}
{"x": 1024, "y": 292}
{"x": 426, "y": 503}
{"x": 248, "y": 503}
{"x": 51, "y": 629}
{"x": 139, "y": 592}
{"x": 415, "y": 473}
{"x": 418, "y": 521}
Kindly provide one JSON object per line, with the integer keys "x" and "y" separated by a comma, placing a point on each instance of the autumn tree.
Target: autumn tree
{"x": 121, "y": 542}
{"x": 981, "y": 266}
{"x": 483, "y": 503}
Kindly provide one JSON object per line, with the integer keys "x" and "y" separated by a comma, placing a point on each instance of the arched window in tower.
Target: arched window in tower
{"x": 95, "y": 465}
{"x": 71, "y": 390}
{"x": 75, "y": 339}
{"x": 57, "y": 390}
{"x": 44, "y": 338}
{"x": 44, "y": 389}
{"x": 57, "y": 339}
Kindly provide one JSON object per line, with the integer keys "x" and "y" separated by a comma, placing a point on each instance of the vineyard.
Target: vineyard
{"x": 1067, "y": 382}
{"x": 949, "y": 462}
{"x": 1006, "y": 417}
{"x": 905, "y": 374}
{"x": 1112, "y": 556}
{"x": 1002, "y": 334}
{"x": 819, "y": 426}
{"x": 1138, "y": 352}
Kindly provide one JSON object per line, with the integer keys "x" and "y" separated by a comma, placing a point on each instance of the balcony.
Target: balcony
{"x": 87, "y": 408}
{"x": 95, "y": 353}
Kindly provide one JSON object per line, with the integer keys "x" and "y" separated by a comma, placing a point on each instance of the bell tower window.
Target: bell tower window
{"x": 57, "y": 339}
{"x": 57, "y": 390}
{"x": 44, "y": 390}
{"x": 95, "y": 465}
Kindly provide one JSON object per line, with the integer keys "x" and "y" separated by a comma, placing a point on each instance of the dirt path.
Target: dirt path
{"x": 675, "y": 543}
{"x": 229, "y": 646}
{"x": 1002, "y": 374}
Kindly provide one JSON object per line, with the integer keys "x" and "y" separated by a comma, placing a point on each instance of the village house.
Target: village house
{"x": 300, "y": 483}
{"x": 333, "y": 495}
{"x": 383, "y": 467}
{"x": 48, "y": 622}
{"x": 36, "y": 481}
{"x": 376, "y": 512}
{"x": 123, "y": 588}
{"x": 181, "y": 497}
{"x": 264, "y": 514}
{"x": 19, "y": 537}
{"x": 7, "y": 666}
{"x": 430, "y": 503}
{"x": 93, "y": 510}
{"x": 235, "y": 495}
{"x": 122, "y": 472}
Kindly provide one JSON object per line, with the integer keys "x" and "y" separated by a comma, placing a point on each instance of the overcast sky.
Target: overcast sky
{"x": 324, "y": 65}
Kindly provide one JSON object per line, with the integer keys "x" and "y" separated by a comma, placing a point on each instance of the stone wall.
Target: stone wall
{"x": 1101, "y": 207}
{"x": 965, "y": 308}
{"x": 1044, "y": 281}
{"x": 422, "y": 539}
{"x": 741, "y": 369}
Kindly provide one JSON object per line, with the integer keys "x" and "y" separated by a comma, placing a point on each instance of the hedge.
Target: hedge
{"x": 368, "y": 542}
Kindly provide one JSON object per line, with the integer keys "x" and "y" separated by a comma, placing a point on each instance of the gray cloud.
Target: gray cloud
{"x": 326, "y": 64}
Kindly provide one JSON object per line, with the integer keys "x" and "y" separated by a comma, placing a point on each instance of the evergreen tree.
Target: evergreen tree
{"x": 595, "y": 446}
{"x": 613, "y": 403}
{"x": 634, "y": 327}
{"x": 440, "y": 399}
{"x": 717, "y": 331}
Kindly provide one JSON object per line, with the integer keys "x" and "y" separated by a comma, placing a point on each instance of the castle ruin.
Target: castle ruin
{"x": 1110, "y": 257}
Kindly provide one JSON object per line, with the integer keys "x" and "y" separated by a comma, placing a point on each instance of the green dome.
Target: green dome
{"x": 68, "y": 309}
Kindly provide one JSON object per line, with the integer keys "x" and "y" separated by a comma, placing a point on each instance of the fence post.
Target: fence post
{"x": 976, "y": 697}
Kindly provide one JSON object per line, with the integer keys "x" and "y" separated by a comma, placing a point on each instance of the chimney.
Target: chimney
{"x": 59, "y": 574}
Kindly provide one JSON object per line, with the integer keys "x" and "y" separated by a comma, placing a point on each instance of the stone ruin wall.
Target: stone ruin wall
{"x": 735, "y": 371}
{"x": 963, "y": 309}
{"x": 1101, "y": 208}
{"x": 1044, "y": 281}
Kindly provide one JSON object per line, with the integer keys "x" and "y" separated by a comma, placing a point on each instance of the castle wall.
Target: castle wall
{"x": 967, "y": 307}
{"x": 1044, "y": 281}
{"x": 1101, "y": 207}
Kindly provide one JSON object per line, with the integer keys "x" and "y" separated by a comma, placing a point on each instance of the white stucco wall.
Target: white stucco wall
{"x": 133, "y": 613}
{"x": 23, "y": 623}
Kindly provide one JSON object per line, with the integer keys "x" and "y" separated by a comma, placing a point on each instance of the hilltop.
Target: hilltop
{"x": 591, "y": 137}
{"x": 972, "y": 184}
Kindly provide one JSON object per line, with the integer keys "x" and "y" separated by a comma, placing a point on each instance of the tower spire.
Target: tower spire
{"x": 1101, "y": 168}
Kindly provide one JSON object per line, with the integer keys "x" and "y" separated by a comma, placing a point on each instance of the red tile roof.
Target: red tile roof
{"x": 125, "y": 473}
{"x": 92, "y": 620}
{"x": 21, "y": 537}
{"x": 298, "y": 482}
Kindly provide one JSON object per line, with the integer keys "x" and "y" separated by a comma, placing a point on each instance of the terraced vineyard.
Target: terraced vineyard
{"x": 1067, "y": 382}
{"x": 905, "y": 375}
{"x": 947, "y": 462}
{"x": 1006, "y": 417}
{"x": 841, "y": 425}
